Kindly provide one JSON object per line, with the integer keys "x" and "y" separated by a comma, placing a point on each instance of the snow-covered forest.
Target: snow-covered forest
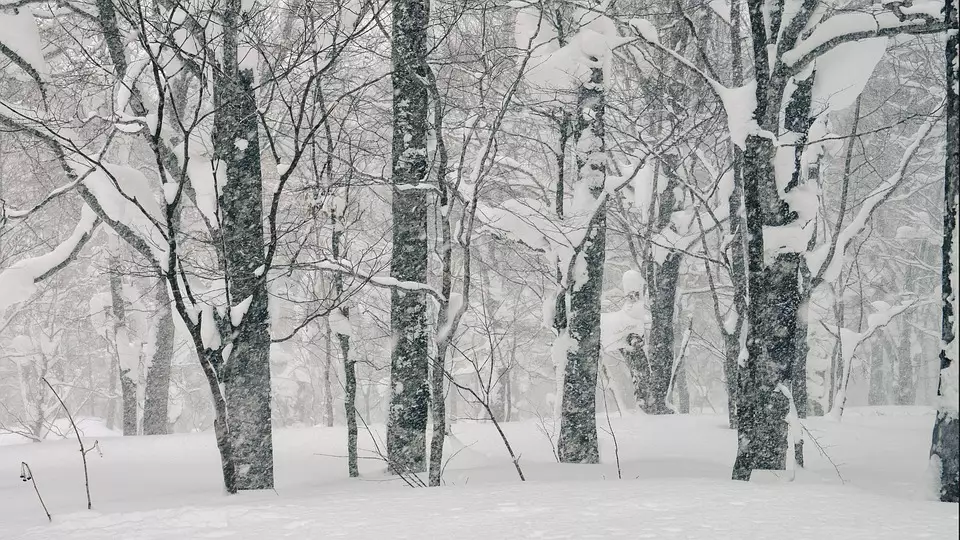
{"x": 578, "y": 268}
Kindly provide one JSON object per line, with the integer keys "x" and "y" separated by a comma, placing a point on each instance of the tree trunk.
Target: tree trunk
{"x": 246, "y": 372}
{"x": 945, "y": 448}
{"x": 663, "y": 299}
{"x": 157, "y": 392}
{"x": 123, "y": 347}
{"x": 683, "y": 392}
{"x": 731, "y": 351}
{"x": 410, "y": 392}
{"x": 577, "y": 441}
{"x": 349, "y": 366}
{"x": 762, "y": 409}
{"x": 776, "y": 286}
{"x": 738, "y": 250}
{"x": 875, "y": 394}
{"x": 327, "y": 368}
{"x": 905, "y": 386}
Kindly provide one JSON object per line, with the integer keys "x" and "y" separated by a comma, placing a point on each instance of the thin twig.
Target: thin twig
{"x": 83, "y": 452}
{"x": 27, "y": 474}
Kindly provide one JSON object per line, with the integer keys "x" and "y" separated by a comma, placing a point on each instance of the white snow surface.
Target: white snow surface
{"x": 675, "y": 469}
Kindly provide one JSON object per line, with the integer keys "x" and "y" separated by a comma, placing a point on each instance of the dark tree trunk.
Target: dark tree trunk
{"x": 945, "y": 448}
{"x": 775, "y": 286}
{"x": 577, "y": 442}
{"x": 761, "y": 411}
{"x": 639, "y": 367}
{"x": 798, "y": 371}
{"x": 410, "y": 392}
{"x": 157, "y": 392}
{"x": 349, "y": 366}
{"x": 731, "y": 351}
{"x": 738, "y": 250}
{"x": 663, "y": 299}
{"x": 246, "y": 373}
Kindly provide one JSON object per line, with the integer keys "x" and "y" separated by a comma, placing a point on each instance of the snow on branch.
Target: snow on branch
{"x": 922, "y": 17}
{"x": 18, "y": 282}
{"x": 851, "y": 340}
{"x": 13, "y": 213}
{"x": 20, "y": 42}
{"x": 346, "y": 267}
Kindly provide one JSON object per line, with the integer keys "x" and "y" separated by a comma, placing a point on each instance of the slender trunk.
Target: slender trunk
{"x": 350, "y": 405}
{"x": 738, "y": 250}
{"x": 111, "y": 419}
{"x": 157, "y": 392}
{"x": 507, "y": 396}
{"x": 410, "y": 392}
{"x": 439, "y": 415}
{"x": 327, "y": 368}
{"x": 349, "y": 365}
{"x": 683, "y": 391}
{"x": 878, "y": 358}
{"x": 905, "y": 387}
{"x": 731, "y": 351}
{"x": 125, "y": 360}
{"x": 798, "y": 371}
{"x": 945, "y": 447}
{"x": 577, "y": 441}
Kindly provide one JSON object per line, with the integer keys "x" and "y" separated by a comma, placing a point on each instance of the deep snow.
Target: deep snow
{"x": 675, "y": 485}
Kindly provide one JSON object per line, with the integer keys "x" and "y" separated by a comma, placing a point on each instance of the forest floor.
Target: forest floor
{"x": 674, "y": 484}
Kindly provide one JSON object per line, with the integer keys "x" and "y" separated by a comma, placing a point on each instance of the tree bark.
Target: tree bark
{"x": 774, "y": 281}
{"x": 122, "y": 345}
{"x": 327, "y": 376}
{"x": 246, "y": 372}
{"x": 157, "y": 392}
{"x": 663, "y": 300}
{"x": 905, "y": 386}
{"x": 878, "y": 357}
{"x": 349, "y": 365}
{"x": 945, "y": 448}
{"x": 410, "y": 392}
{"x": 577, "y": 442}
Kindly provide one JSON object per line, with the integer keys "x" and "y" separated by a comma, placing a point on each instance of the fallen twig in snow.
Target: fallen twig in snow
{"x": 409, "y": 477}
{"x": 823, "y": 452}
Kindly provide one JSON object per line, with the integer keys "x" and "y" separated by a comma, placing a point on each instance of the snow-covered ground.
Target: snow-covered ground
{"x": 675, "y": 485}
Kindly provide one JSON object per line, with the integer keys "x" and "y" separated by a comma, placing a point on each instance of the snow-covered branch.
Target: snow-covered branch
{"x": 18, "y": 282}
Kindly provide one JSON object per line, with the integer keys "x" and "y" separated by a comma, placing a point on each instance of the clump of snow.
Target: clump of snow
{"x": 18, "y": 32}
{"x": 209, "y": 333}
{"x": 740, "y": 104}
{"x": 340, "y": 324}
{"x": 842, "y": 73}
{"x": 633, "y": 282}
{"x": 18, "y": 281}
{"x": 238, "y": 311}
